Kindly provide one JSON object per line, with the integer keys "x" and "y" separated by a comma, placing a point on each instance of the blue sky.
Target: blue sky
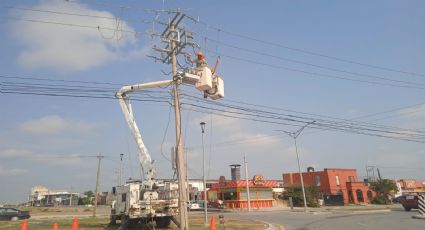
{"x": 51, "y": 141}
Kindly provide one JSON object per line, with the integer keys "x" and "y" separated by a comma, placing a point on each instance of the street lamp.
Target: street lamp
{"x": 203, "y": 175}
{"x": 295, "y": 135}
{"x": 120, "y": 182}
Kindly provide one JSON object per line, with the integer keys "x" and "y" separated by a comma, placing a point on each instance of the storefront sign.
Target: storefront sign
{"x": 258, "y": 180}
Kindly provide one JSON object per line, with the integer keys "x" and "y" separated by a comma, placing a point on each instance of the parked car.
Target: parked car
{"x": 193, "y": 205}
{"x": 13, "y": 214}
{"x": 216, "y": 204}
{"x": 409, "y": 202}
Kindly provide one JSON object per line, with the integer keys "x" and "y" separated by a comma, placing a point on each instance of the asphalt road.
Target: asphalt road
{"x": 390, "y": 220}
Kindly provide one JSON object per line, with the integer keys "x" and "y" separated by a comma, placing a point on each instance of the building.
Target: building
{"x": 233, "y": 193}
{"x": 42, "y": 196}
{"x": 409, "y": 186}
{"x": 337, "y": 186}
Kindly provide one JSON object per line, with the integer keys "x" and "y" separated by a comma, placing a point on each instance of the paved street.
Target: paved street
{"x": 394, "y": 219}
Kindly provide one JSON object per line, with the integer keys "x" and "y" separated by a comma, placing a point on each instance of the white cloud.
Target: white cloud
{"x": 235, "y": 131}
{"x": 15, "y": 153}
{"x": 69, "y": 48}
{"x": 48, "y": 159}
{"x": 54, "y": 124}
{"x": 11, "y": 172}
{"x": 414, "y": 113}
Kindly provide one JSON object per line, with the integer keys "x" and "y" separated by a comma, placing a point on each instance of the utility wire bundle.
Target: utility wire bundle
{"x": 190, "y": 101}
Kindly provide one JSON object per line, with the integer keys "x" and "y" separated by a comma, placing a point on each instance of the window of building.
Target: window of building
{"x": 317, "y": 180}
{"x": 255, "y": 194}
{"x": 337, "y": 180}
{"x": 351, "y": 179}
{"x": 369, "y": 195}
{"x": 359, "y": 194}
{"x": 229, "y": 196}
{"x": 123, "y": 197}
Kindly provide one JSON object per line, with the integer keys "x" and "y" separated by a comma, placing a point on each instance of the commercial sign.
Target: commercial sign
{"x": 258, "y": 180}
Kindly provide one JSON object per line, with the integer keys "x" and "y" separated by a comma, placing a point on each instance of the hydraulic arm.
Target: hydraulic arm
{"x": 144, "y": 157}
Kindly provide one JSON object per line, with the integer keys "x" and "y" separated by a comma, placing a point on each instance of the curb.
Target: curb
{"x": 273, "y": 226}
{"x": 419, "y": 217}
{"x": 276, "y": 227}
{"x": 366, "y": 211}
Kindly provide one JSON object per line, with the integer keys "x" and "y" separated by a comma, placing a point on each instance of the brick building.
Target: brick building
{"x": 336, "y": 185}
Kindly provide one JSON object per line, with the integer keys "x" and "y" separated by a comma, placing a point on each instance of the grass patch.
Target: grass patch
{"x": 89, "y": 223}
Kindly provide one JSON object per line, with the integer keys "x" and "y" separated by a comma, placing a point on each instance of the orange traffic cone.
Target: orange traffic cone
{"x": 212, "y": 223}
{"x": 75, "y": 224}
{"x": 55, "y": 227}
{"x": 24, "y": 225}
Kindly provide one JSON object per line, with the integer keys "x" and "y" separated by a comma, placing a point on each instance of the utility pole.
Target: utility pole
{"x": 187, "y": 174}
{"x": 367, "y": 174}
{"x": 179, "y": 138}
{"x": 177, "y": 39}
{"x": 295, "y": 135}
{"x": 99, "y": 157}
{"x": 248, "y": 198}
{"x": 203, "y": 176}
{"x": 120, "y": 179}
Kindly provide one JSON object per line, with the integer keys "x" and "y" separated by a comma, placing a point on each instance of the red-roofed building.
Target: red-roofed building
{"x": 410, "y": 186}
{"x": 233, "y": 193}
{"x": 334, "y": 184}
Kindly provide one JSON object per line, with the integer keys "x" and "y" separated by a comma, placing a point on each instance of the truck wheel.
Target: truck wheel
{"x": 125, "y": 223}
{"x": 163, "y": 222}
{"x": 112, "y": 220}
{"x": 407, "y": 209}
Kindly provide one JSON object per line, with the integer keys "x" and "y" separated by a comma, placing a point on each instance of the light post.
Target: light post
{"x": 248, "y": 198}
{"x": 294, "y": 135}
{"x": 203, "y": 175}
{"x": 120, "y": 182}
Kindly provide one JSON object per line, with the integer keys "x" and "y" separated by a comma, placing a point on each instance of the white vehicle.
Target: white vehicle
{"x": 151, "y": 201}
{"x": 148, "y": 201}
{"x": 193, "y": 205}
{"x": 136, "y": 205}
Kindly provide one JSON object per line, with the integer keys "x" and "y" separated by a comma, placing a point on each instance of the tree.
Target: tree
{"x": 383, "y": 189}
{"x": 88, "y": 199}
{"x": 89, "y": 193}
{"x": 311, "y": 195}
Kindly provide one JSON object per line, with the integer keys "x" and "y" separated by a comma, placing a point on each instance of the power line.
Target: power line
{"x": 59, "y": 12}
{"x": 315, "y": 74}
{"x": 276, "y": 115}
{"x": 187, "y": 93}
{"x": 319, "y": 115}
{"x": 88, "y": 91}
{"x": 72, "y": 25}
{"x": 318, "y": 127}
{"x": 313, "y": 65}
{"x": 311, "y": 52}
{"x": 349, "y": 128}
{"x": 226, "y": 32}
{"x": 412, "y": 85}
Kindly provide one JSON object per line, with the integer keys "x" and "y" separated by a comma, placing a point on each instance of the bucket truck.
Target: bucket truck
{"x": 151, "y": 201}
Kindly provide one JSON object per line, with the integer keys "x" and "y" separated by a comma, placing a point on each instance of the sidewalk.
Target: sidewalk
{"x": 327, "y": 209}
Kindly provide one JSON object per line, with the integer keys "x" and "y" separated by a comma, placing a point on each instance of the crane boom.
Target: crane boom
{"x": 145, "y": 159}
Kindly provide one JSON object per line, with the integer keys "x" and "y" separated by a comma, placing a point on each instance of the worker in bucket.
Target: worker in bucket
{"x": 200, "y": 61}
